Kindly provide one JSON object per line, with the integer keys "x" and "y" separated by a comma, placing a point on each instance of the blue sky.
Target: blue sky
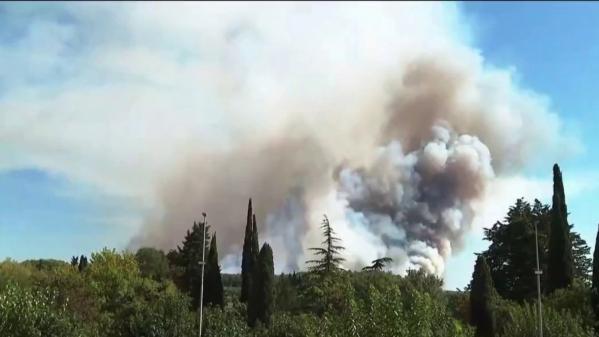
{"x": 44, "y": 215}
{"x": 50, "y": 202}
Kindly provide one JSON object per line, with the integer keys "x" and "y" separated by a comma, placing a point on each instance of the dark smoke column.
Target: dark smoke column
{"x": 419, "y": 203}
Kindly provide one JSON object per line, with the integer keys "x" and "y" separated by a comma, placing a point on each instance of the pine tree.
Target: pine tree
{"x": 247, "y": 256}
{"x": 261, "y": 302}
{"x": 378, "y": 264}
{"x": 187, "y": 261}
{"x": 330, "y": 258}
{"x": 595, "y": 281}
{"x": 560, "y": 269}
{"x": 213, "y": 293}
{"x": 75, "y": 261}
{"x": 482, "y": 293}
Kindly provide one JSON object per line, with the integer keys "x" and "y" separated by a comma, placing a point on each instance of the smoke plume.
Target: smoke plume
{"x": 382, "y": 115}
{"x": 396, "y": 140}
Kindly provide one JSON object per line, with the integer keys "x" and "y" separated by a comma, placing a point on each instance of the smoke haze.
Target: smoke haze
{"x": 383, "y": 116}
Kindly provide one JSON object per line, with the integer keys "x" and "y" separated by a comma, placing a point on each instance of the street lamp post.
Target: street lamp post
{"x": 538, "y": 272}
{"x": 203, "y": 263}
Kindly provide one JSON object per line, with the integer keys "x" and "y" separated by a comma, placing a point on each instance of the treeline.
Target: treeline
{"x": 152, "y": 294}
{"x": 503, "y": 291}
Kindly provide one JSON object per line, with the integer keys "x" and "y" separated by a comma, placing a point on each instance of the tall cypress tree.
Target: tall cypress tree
{"x": 595, "y": 282}
{"x": 213, "y": 294}
{"x": 560, "y": 268}
{"x": 261, "y": 303}
{"x": 558, "y": 188}
{"x": 255, "y": 242}
{"x": 247, "y": 256}
{"x": 481, "y": 298}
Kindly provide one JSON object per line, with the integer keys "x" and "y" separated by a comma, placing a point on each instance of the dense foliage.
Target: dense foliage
{"x": 511, "y": 254}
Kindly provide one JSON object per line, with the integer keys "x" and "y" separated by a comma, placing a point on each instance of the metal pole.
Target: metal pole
{"x": 538, "y": 272}
{"x": 203, "y": 263}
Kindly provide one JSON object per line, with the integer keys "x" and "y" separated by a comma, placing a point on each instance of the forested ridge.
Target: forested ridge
{"x": 152, "y": 293}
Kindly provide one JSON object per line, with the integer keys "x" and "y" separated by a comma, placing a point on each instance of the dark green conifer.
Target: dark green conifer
{"x": 595, "y": 281}
{"x": 213, "y": 293}
{"x": 247, "y": 256}
{"x": 482, "y": 293}
{"x": 261, "y": 302}
{"x": 186, "y": 261}
{"x": 82, "y": 263}
{"x": 255, "y": 242}
{"x": 560, "y": 268}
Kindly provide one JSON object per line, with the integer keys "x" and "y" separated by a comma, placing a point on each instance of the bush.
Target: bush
{"x": 520, "y": 320}
{"x": 576, "y": 300}
{"x": 163, "y": 313}
{"x": 152, "y": 263}
{"x": 229, "y": 321}
{"x": 411, "y": 313}
{"x": 31, "y": 313}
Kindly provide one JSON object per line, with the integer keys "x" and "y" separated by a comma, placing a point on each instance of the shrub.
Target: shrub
{"x": 30, "y": 313}
{"x": 520, "y": 320}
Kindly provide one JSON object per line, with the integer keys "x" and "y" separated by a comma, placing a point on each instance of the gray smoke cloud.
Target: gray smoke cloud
{"x": 381, "y": 115}
{"x": 420, "y": 202}
{"x": 410, "y": 194}
{"x": 397, "y": 145}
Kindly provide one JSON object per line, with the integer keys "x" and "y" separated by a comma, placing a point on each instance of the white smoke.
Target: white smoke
{"x": 419, "y": 202}
{"x": 379, "y": 114}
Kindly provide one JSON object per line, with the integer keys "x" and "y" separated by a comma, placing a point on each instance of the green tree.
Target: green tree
{"x": 152, "y": 263}
{"x": 113, "y": 279}
{"x": 255, "y": 242}
{"x": 558, "y": 189}
{"x": 560, "y": 268}
{"x": 82, "y": 263}
{"x": 581, "y": 253}
{"x": 378, "y": 264}
{"x": 247, "y": 256}
{"x": 261, "y": 304}
{"x": 214, "y": 292}
{"x": 75, "y": 261}
{"x": 481, "y": 299}
{"x": 187, "y": 261}
{"x": 330, "y": 258}
{"x": 511, "y": 254}
{"x": 595, "y": 281}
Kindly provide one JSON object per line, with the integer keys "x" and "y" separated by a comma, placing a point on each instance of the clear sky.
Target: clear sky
{"x": 55, "y": 213}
